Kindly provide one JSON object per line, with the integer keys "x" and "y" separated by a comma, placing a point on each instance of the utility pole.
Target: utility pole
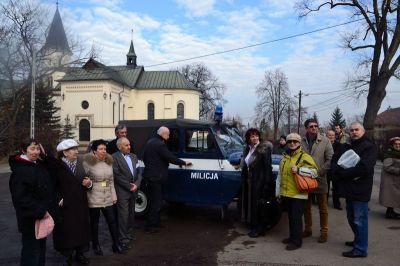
{"x": 298, "y": 120}
{"x": 33, "y": 95}
{"x": 289, "y": 118}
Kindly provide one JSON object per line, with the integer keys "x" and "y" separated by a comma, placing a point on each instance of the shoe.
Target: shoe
{"x": 254, "y": 234}
{"x": 97, "y": 250}
{"x": 349, "y": 243}
{"x": 292, "y": 246}
{"x": 392, "y": 215}
{"x": 80, "y": 258}
{"x": 353, "y": 254}
{"x": 125, "y": 246}
{"x": 307, "y": 234}
{"x": 323, "y": 238}
{"x": 118, "y": 249}
{"x": 150, "y": 230}
{"x": 286, "y": 241}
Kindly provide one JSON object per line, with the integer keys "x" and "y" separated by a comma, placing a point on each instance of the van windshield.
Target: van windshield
{"x": 228, "y": 138}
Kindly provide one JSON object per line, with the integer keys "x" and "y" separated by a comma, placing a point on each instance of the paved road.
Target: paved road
{"x": 194, "y": 235}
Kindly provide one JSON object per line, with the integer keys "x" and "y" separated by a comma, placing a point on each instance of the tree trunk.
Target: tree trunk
{"x": 375, "y": 97}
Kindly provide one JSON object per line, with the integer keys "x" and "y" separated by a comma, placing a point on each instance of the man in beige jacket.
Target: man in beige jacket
{"x": 320, "y": 148}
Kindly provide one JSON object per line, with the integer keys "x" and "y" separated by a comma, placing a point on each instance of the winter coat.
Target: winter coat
{"x": 257, "y": 181}
{"x": 389, "y": 193}
{"x": 157, "y": 158}
{"x": 322, "y": 153}
{"x": 355, "y": 183}
{"x": 288, "y": 186}
{"x": 32, "y": 192}
{"x": 102, "y": 193}
{"x": 74, "y": 229}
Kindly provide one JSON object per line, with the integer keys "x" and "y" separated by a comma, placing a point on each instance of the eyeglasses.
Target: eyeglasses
{"x": 313, "y": 126}
{"x": 292, "y": 141}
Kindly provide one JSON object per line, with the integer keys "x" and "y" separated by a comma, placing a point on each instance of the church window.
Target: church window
{"x": 180, "y": 111}
{"x": 85, "y": 104}
{"x": 150, "y": 111}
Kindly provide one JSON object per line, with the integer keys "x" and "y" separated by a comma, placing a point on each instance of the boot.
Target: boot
{"x": 307, "y": 233}
{"x": 391, "y": 214}
{"x": 323, "y": 238}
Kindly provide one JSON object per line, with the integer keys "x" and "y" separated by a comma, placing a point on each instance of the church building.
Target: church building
{"x": 95, "y": 97}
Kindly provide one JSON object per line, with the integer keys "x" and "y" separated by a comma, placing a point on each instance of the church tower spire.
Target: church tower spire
{"x": 56, "y": 39}
{"x": 131, "y": 55}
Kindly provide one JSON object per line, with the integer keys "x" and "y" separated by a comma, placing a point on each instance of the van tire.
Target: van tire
{"x": 141, "y": 204}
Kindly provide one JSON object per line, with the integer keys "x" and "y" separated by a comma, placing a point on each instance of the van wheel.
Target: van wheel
{"x": 141, "y": 204}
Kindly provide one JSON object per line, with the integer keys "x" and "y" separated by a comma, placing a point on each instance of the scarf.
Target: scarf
{"x": 391, "y": 153}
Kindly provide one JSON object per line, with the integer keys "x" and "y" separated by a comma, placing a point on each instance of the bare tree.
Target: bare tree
{"x": 377, "y": 38}
{"x": 274, "y": 98}
{"x": 211, "y": 89}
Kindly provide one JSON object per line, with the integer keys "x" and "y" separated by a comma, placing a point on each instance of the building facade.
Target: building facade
{"x": 95, "y": 97}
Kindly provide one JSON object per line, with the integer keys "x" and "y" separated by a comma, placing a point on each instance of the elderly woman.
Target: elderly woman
{"x": 73, "y": 232}
{"x": 257, "y": 180}
{"x": 33, "y": 198}
{"x": 102, "y": 196}
{"x": 294, "y": 201}
{"x": 389, "y": 194}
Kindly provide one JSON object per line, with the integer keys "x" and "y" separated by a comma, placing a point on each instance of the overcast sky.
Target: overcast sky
{"x": 170, "y": 30}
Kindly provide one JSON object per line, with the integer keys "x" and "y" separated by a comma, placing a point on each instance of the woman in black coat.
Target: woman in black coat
{"x": 33, "y": 198}
{"x": 257, "y": 182}
{"x": 73, "y": 232}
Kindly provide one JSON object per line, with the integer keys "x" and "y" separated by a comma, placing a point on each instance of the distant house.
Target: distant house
{"x": 387, "y": 125}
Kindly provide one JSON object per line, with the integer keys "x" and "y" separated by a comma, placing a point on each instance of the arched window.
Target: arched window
{"x": 180, "y": 111}
{"x": 150, "y": 111}
{"x": 113, "y": 113}
{"x": 84, "y": 130}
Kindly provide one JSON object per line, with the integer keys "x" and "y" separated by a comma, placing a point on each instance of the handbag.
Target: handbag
{"x": 304, "y": 184}
{"x": 44, "y": 226}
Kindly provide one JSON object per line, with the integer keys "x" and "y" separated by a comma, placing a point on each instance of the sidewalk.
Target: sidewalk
{"x": 384, "y": 240}
{"x": 4, "y": 167}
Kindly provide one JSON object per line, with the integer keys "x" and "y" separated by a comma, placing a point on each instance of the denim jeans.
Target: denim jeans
{"x": 33, "y": 251}
{"x": 357, "y": 216}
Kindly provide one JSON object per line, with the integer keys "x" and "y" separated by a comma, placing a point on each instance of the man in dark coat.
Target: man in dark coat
{"x": 127, "y": 179}
{"x": 120, "y": 132}
{"x": 73, "y": 232}
{"x": 329, "y": 175}
{"x": 156, "y": 159}
{"x": 355, "y": 185}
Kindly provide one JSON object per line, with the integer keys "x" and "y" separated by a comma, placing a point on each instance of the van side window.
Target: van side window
{"x": 173, "y": 141}
{"x": 199, "y": 141}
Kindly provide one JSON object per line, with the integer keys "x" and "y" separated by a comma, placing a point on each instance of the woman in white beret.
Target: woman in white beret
{"x": 73, "y": 232}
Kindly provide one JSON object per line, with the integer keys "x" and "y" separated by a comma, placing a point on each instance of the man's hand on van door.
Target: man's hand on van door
{"x": 188, "y": 163}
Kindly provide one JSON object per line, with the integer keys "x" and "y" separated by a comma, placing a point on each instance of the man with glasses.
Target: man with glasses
{"x": 320, "y": 148}
{"x": 355, "y": 185}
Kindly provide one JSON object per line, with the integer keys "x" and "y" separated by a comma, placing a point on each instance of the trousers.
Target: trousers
{"x": 323, "y": 213}
{"x": 109, "y": 215}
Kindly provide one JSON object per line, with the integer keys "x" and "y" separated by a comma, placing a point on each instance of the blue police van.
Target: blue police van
{"x": 214, "y": 148}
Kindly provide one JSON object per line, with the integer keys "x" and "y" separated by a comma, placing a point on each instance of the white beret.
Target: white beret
{"x": 293, "y": 136}
{"x": 67, "y": 144}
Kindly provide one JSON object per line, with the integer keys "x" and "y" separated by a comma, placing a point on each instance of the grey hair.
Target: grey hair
{"x": 120, "y": 126}
{"x": 119, "y": 141}
{"x": 161, "y": 130}
{"x": 358, "y": 123}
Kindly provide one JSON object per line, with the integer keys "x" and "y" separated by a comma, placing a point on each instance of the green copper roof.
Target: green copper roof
{"x": 134, "y": 77}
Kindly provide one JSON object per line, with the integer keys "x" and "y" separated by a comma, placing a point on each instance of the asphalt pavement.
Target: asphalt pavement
{"x": 194, "y": 235}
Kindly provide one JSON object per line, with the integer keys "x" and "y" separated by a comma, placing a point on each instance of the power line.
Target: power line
{"x": 327, "y": 92}
{"x": 258, "y": 44}
{"x": 226, "y": 51}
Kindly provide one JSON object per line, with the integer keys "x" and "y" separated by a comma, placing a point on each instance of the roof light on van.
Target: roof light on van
{"x": 218, "y": 113}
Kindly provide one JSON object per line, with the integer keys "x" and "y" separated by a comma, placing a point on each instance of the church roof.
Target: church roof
{"x": 56, "y": 38}
{"x": 135, "y": 77}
